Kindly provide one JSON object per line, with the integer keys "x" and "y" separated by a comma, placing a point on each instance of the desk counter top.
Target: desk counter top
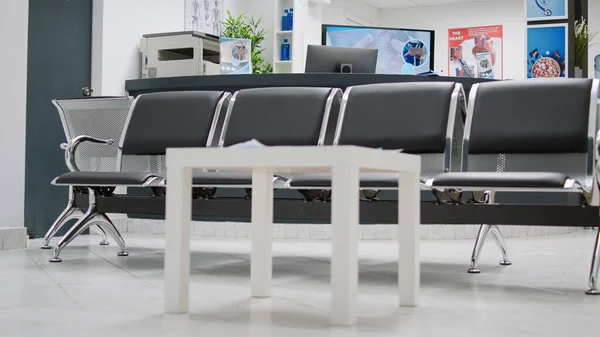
{"x": 233, "y": 83}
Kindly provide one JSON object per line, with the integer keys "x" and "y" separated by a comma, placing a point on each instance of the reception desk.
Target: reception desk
{"x": 233, "y": 83}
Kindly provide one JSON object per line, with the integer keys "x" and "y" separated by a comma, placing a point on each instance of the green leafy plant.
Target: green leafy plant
{"x": 583, "y": 40}
{"x": 243, "y": 27}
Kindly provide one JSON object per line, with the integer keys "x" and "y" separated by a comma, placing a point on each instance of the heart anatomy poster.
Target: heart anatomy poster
{"x": 475, "y": 52}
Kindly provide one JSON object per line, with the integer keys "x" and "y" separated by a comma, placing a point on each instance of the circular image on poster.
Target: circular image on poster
{"x": 239, "y": 54}
{"x": 546, "y": 67}
{"x": 415, "y": 53}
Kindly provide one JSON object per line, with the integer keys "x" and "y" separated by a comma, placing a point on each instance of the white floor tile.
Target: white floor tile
{"x": 95, "y": 291}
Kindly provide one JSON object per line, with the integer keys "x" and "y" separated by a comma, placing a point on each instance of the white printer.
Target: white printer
{"x": 179, "y": 54}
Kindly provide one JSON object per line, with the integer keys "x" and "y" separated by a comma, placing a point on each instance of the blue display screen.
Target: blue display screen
{"x": 401, "y": 51}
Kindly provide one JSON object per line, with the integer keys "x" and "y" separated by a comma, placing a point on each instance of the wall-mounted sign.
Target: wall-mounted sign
{"x": 475, "y": 52}
{"x": 541, "y": 10}
{"x": 547, "y": 50}
{"x": 203, "y": 16}
{"x": 235, "y": 56}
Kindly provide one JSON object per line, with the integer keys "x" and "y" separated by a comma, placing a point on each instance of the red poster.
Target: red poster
{"x": 475, "y": 52}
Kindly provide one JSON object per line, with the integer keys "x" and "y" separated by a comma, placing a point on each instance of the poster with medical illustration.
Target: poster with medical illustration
{"x": 541, "y": 10}
{"x": 235, "y": 56}
{"x": 475, "y": 52}
{"x": 203, "y": 16}
{"x": 547, "y": 51}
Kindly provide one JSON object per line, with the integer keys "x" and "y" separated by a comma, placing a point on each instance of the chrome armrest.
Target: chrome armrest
{"x": 71, "y": 147}
{"x": 597, "y": 159}
{"x": 597, "y": 146}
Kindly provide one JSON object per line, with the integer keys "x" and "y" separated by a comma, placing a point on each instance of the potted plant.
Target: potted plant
{"x": 583, "y": 40}
{"x": 243, "y": 27}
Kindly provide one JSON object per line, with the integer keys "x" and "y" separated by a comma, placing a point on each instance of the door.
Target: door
{"x": 59, "y": 66}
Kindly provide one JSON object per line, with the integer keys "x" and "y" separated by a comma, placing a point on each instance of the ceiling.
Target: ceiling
{"x": 387, "y": 4}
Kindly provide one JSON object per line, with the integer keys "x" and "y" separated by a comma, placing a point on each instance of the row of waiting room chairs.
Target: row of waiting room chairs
{"x": 517, "y": 136}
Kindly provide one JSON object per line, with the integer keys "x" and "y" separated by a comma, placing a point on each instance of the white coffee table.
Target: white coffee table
{"x": 345, "y": 163}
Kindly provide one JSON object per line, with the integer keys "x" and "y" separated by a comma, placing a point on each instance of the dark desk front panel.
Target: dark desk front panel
{"x": 233, "y": 83}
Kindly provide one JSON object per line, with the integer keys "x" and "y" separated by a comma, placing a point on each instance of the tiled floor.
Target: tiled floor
{"x": 95, "y": 293}
{"x": 323, "y": 231}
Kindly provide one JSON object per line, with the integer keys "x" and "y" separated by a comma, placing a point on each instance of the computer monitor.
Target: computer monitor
{"x": 401, "y": 51}
{"x": 325, "y": 59}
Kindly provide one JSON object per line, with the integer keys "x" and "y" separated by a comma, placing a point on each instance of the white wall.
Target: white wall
{"x": 118, "y": 28}
{"x": 266, "y": 10}
{"x": 13, "y": 95}
{"x": 236, "y": 7}
{"x": 594, "y": 25}
{"x": 509, "y": 13}
{"x": 336, "y": 12}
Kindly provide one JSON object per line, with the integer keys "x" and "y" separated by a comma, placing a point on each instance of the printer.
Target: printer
{"x": 179, "y": 54}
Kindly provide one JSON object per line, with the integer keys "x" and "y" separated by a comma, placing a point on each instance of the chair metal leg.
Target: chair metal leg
{"x": 479, "y": 241}
{"x": 488, "y": 198}
{"x": 497, "y": 235}
{"x": 484, "y": 230}
{"x": 69, "y": 213}
{"x": 595, "y": 267}
{"x": 104, "y": 239}
{"x": 110, "y": 227}
{"x": 79, "y": 227}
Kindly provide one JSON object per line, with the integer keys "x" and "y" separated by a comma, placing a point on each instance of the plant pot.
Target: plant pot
{"x": 578, "y": 72}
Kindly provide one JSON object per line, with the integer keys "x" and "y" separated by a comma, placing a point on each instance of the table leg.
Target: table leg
{"x": 177, "y": 250}
{"x": 261, "y": 265}
{"x": 409, "y": 237}
{"x": 344, "y": 251}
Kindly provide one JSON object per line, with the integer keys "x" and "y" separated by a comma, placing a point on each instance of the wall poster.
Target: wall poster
{"x": 542, "y": 10}
{"x": 204, "y": 16}
{"x": 547, "y": 50}
{"x": 475, "y": 52}
{"x": 235, "y": 56}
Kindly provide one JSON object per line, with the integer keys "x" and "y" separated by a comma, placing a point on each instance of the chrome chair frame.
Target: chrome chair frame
{"x": 281, "y": 180}
{"x": 73, "y": 142}
{"x": 457, "y": 103}
{"x": 595, "y": 266}
{"x": 484, "y": 230}
{"x": 92, "y": 216}
{"x": 589, "y": 188}
{"x": 451, "y": 162}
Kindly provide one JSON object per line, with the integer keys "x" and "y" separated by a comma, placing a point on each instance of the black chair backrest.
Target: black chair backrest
{"x": 530, "y": 116}
{"x": 280, "y": 116}
{"x": 158, "y": 121}
{"x": 409, "y": 116}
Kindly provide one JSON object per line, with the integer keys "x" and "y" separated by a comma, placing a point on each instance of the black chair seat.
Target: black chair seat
{"x": 103, "y": 178}
{"x": 501, "y": 179}
{"x": 216, "y": 179}
{"x": 367, "y": 180}
{"x": 221, "y": 178}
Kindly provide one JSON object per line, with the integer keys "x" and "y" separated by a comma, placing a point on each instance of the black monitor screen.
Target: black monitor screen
{"x": 325, "y": 59}
{"x": 401, "y": 51}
